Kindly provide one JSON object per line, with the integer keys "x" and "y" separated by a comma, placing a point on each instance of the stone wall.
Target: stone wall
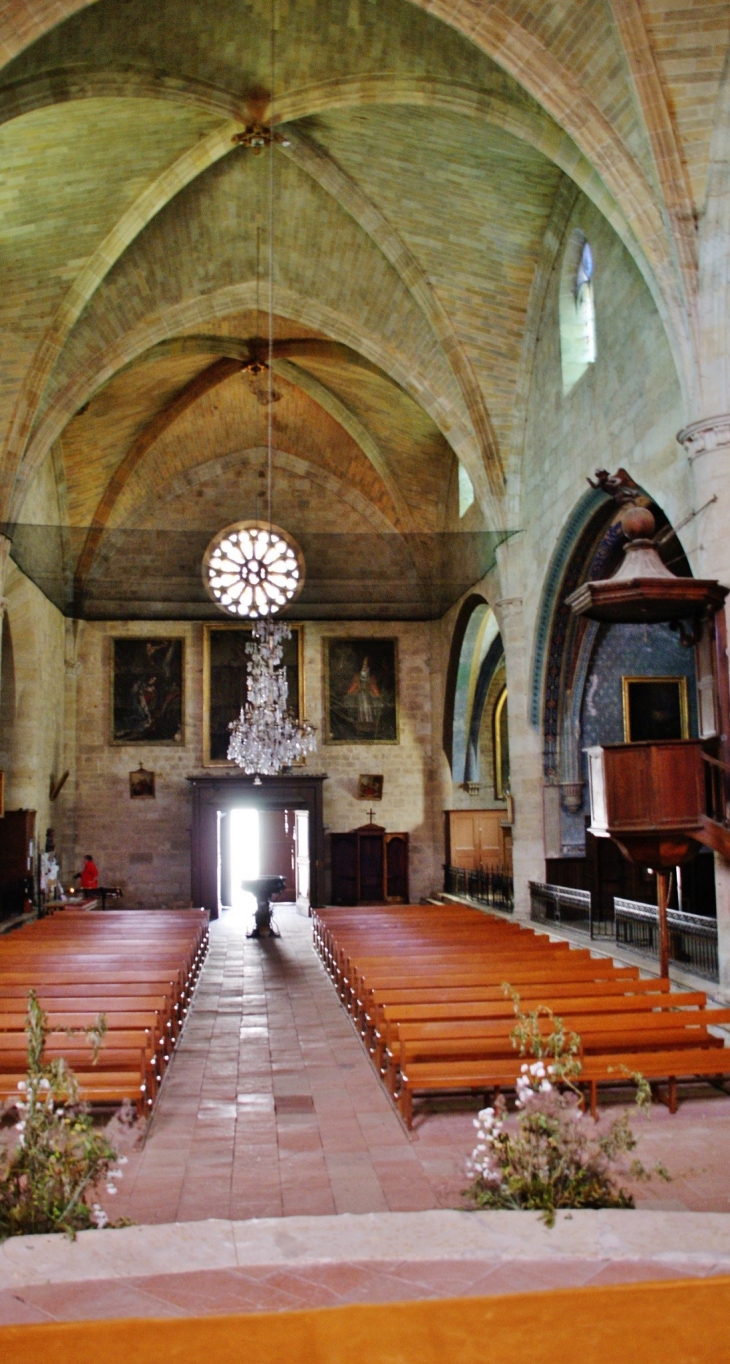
{"x": 145, "y": 844}
{"x": 33, "y": 738}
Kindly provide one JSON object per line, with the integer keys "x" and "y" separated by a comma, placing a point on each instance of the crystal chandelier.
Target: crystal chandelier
{"x": 266, "y": 738}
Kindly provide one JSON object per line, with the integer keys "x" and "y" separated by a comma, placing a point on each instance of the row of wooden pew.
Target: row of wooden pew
{"x": 425, "y": 986}
{"x": 137, "y": 968}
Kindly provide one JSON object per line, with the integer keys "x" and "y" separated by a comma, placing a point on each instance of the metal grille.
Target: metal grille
{"x": 692, "y": 938}
{"x": 494, "y": 888}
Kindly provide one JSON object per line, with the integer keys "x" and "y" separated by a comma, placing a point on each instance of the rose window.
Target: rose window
{"x": 253, "y": 569}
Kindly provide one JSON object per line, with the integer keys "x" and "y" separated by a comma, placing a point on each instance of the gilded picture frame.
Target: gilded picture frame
{"x": 361, "y": 702}
{"x": 655, "y": 708}
{"x": 217, "y": 713}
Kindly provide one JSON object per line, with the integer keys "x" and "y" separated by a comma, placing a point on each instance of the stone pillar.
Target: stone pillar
{"x": 525, "y": 745}
{"x": 707, "y": 444}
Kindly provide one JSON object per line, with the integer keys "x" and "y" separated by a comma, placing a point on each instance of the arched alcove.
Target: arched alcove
{"x": 477, "y": 652}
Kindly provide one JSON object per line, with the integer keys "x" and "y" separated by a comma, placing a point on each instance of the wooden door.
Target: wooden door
{"x": 488, "y": 838}
{"x": 276, "y": 849}
{"x": 475, "y": 839}
{"x": 224, "y": 858}
{"x": 301, "y": 856}
{"x": 344, "y": 869}
{"x": 17, "y": 848}
{"x": 371, "y": 868}
{"x": 461, "y": 842}
{"x": 396, "y": 868}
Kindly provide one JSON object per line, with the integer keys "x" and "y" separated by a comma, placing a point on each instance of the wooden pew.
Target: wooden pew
{"x": 138, "y": 969}
{"x": 424, "y": 985}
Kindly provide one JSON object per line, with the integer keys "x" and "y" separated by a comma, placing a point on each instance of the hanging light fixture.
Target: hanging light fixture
{"x": 266, "y": 738}
{"x": 253, "y": 569}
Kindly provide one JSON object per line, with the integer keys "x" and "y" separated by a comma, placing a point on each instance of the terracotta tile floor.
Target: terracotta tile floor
{"x": 275, "y": 1289}
{"x": 272, "y": 1108}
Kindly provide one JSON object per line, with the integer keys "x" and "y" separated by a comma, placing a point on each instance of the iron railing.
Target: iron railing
{"x": 560, "y": 905}
{"x": 692, "y": 937}
{"x": 495, "y": 888}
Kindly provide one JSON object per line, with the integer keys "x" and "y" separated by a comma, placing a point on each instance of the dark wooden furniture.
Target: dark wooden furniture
{"x": 650, "y": 798}
{"x": 17, "y": 844}
{"x": 224, "y": 790}
{"x": 369, "y": 867}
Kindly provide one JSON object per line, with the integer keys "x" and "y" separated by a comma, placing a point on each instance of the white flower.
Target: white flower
{"x": 116, "y": 1174}
{"x": 486, "y": 1113}
{"x": 45, "y": 1084}
{"x": 111, "y": 1189}
{"x": 22, "y": 1085}
{"x": 123, "y": 1160}
{"x": 524, "y": 1068}
{"x": 98, "y": 1216}
{"x": 20, "y": 1126}
{"x": 546, "y": 1087}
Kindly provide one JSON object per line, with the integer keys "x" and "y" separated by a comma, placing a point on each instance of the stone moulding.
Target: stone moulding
{"x": 702, "y": 437}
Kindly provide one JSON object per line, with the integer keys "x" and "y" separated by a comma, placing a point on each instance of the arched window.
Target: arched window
{"x": 466, "y": 490}
{"x": 577, "y": 311}
{"x": 501, "y": 747}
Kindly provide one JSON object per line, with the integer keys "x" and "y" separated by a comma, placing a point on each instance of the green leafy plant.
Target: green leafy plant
{"x": 550, "y": 1154}
{"x": 49, "y": 1175}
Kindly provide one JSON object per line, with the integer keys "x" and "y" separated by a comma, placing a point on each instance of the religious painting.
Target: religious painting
{"x": 370, "y": 788}
{"x": 142, "y": 784}
{"x": 225, "y": 678}
{"x": 655, "y": 708}
{"x": 361, "y": 690}
{"x": 147, "y": 690}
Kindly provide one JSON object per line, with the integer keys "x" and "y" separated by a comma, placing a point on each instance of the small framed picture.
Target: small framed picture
{"x": 370, "y": 788}
{"x": 142, "y": 784}
{"x": 655, "y": 708}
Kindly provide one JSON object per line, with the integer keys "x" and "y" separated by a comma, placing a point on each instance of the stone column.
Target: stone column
{"x": 707, "y": 444}
{"x": 525, "y": 745}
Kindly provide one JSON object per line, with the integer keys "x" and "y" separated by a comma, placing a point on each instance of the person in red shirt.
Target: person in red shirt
{"x": 89, "y": 876}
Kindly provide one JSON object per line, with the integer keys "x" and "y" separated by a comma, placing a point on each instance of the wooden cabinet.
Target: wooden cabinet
{"x": 478, "y": 840}
{"x": 369, "y": 867}
{"x": 17, "y": 847}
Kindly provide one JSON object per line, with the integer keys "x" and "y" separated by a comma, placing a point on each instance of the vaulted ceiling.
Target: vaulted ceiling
{"x": 425, "y": 160}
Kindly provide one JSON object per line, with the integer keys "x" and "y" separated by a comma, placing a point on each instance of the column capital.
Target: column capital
{"x": 699, "y": 438}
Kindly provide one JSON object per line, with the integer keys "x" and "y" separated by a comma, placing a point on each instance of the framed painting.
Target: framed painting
{"x": 147, "y": 685}
{"x": 224, "y": 683}
{"x": 370, "y": 787}
{"x": 142, "y": 784}
{"x": 655, "y": 708}
{"x": 361, "y": 690}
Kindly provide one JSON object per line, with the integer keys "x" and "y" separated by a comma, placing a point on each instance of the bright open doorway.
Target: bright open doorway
{"x": 245, "y": 857}
{"x": 258, "y": 842}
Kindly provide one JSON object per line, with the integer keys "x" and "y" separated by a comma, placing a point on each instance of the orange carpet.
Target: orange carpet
{"x": 659, "y": 1323}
